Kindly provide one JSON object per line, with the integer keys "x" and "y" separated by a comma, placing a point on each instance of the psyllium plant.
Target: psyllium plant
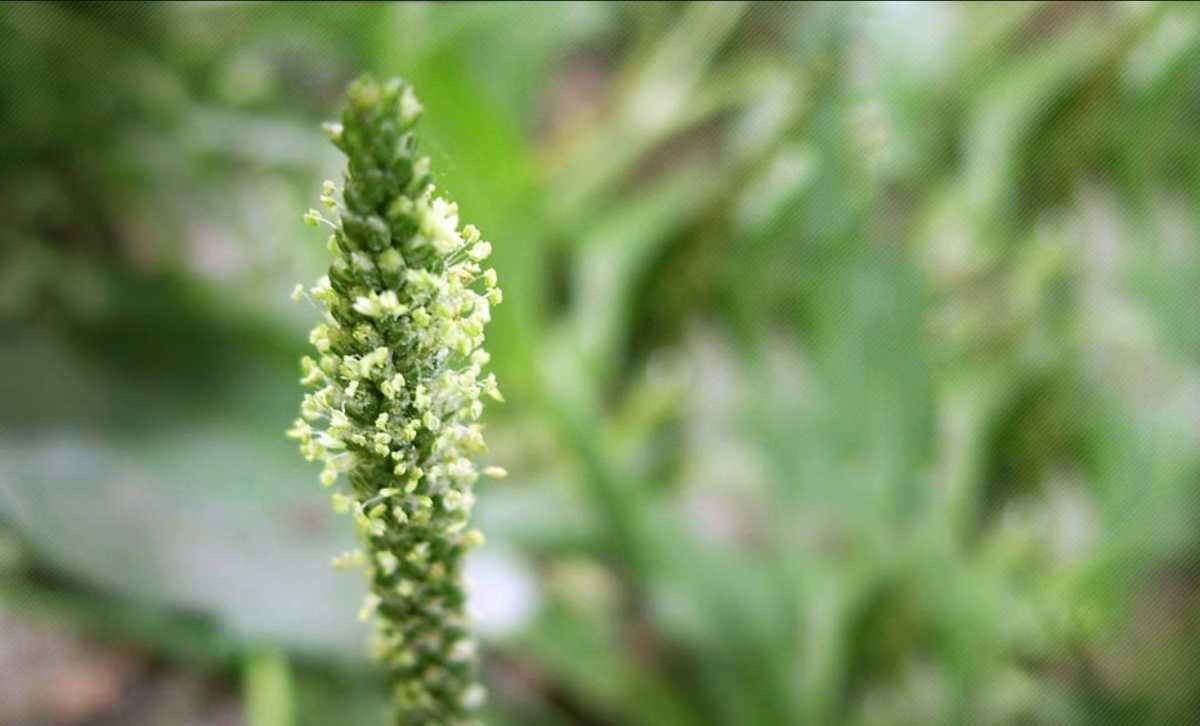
{"x": 398, "y": 392}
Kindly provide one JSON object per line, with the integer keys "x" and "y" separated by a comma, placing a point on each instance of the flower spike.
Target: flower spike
{"x": 398, "y": 390}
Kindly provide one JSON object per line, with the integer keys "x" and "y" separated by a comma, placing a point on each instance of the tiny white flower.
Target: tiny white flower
{"x": 328, "y": 476}
{"x": 387, "y": 562}
{"x": 341, "y": 503}
{"x": 370, "y": 605}
{"x": 390, "y": 260}
{"x": 480, "y": 251}
{"x": 410, "y": 107}
{"x": 439, "y": 222}
{"x": 368, "y": 306}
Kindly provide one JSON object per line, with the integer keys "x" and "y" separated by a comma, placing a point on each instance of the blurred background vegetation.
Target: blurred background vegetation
{"x": 851, "y": 354}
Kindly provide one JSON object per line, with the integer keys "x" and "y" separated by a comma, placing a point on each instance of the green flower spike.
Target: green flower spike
{"x": 397, "y": 395}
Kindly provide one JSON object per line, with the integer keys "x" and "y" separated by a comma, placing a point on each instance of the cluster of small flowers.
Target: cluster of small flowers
{"x": 399, "y": 389}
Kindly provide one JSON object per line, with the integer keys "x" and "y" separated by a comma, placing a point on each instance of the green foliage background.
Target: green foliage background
{"x": 850, "y": 350}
